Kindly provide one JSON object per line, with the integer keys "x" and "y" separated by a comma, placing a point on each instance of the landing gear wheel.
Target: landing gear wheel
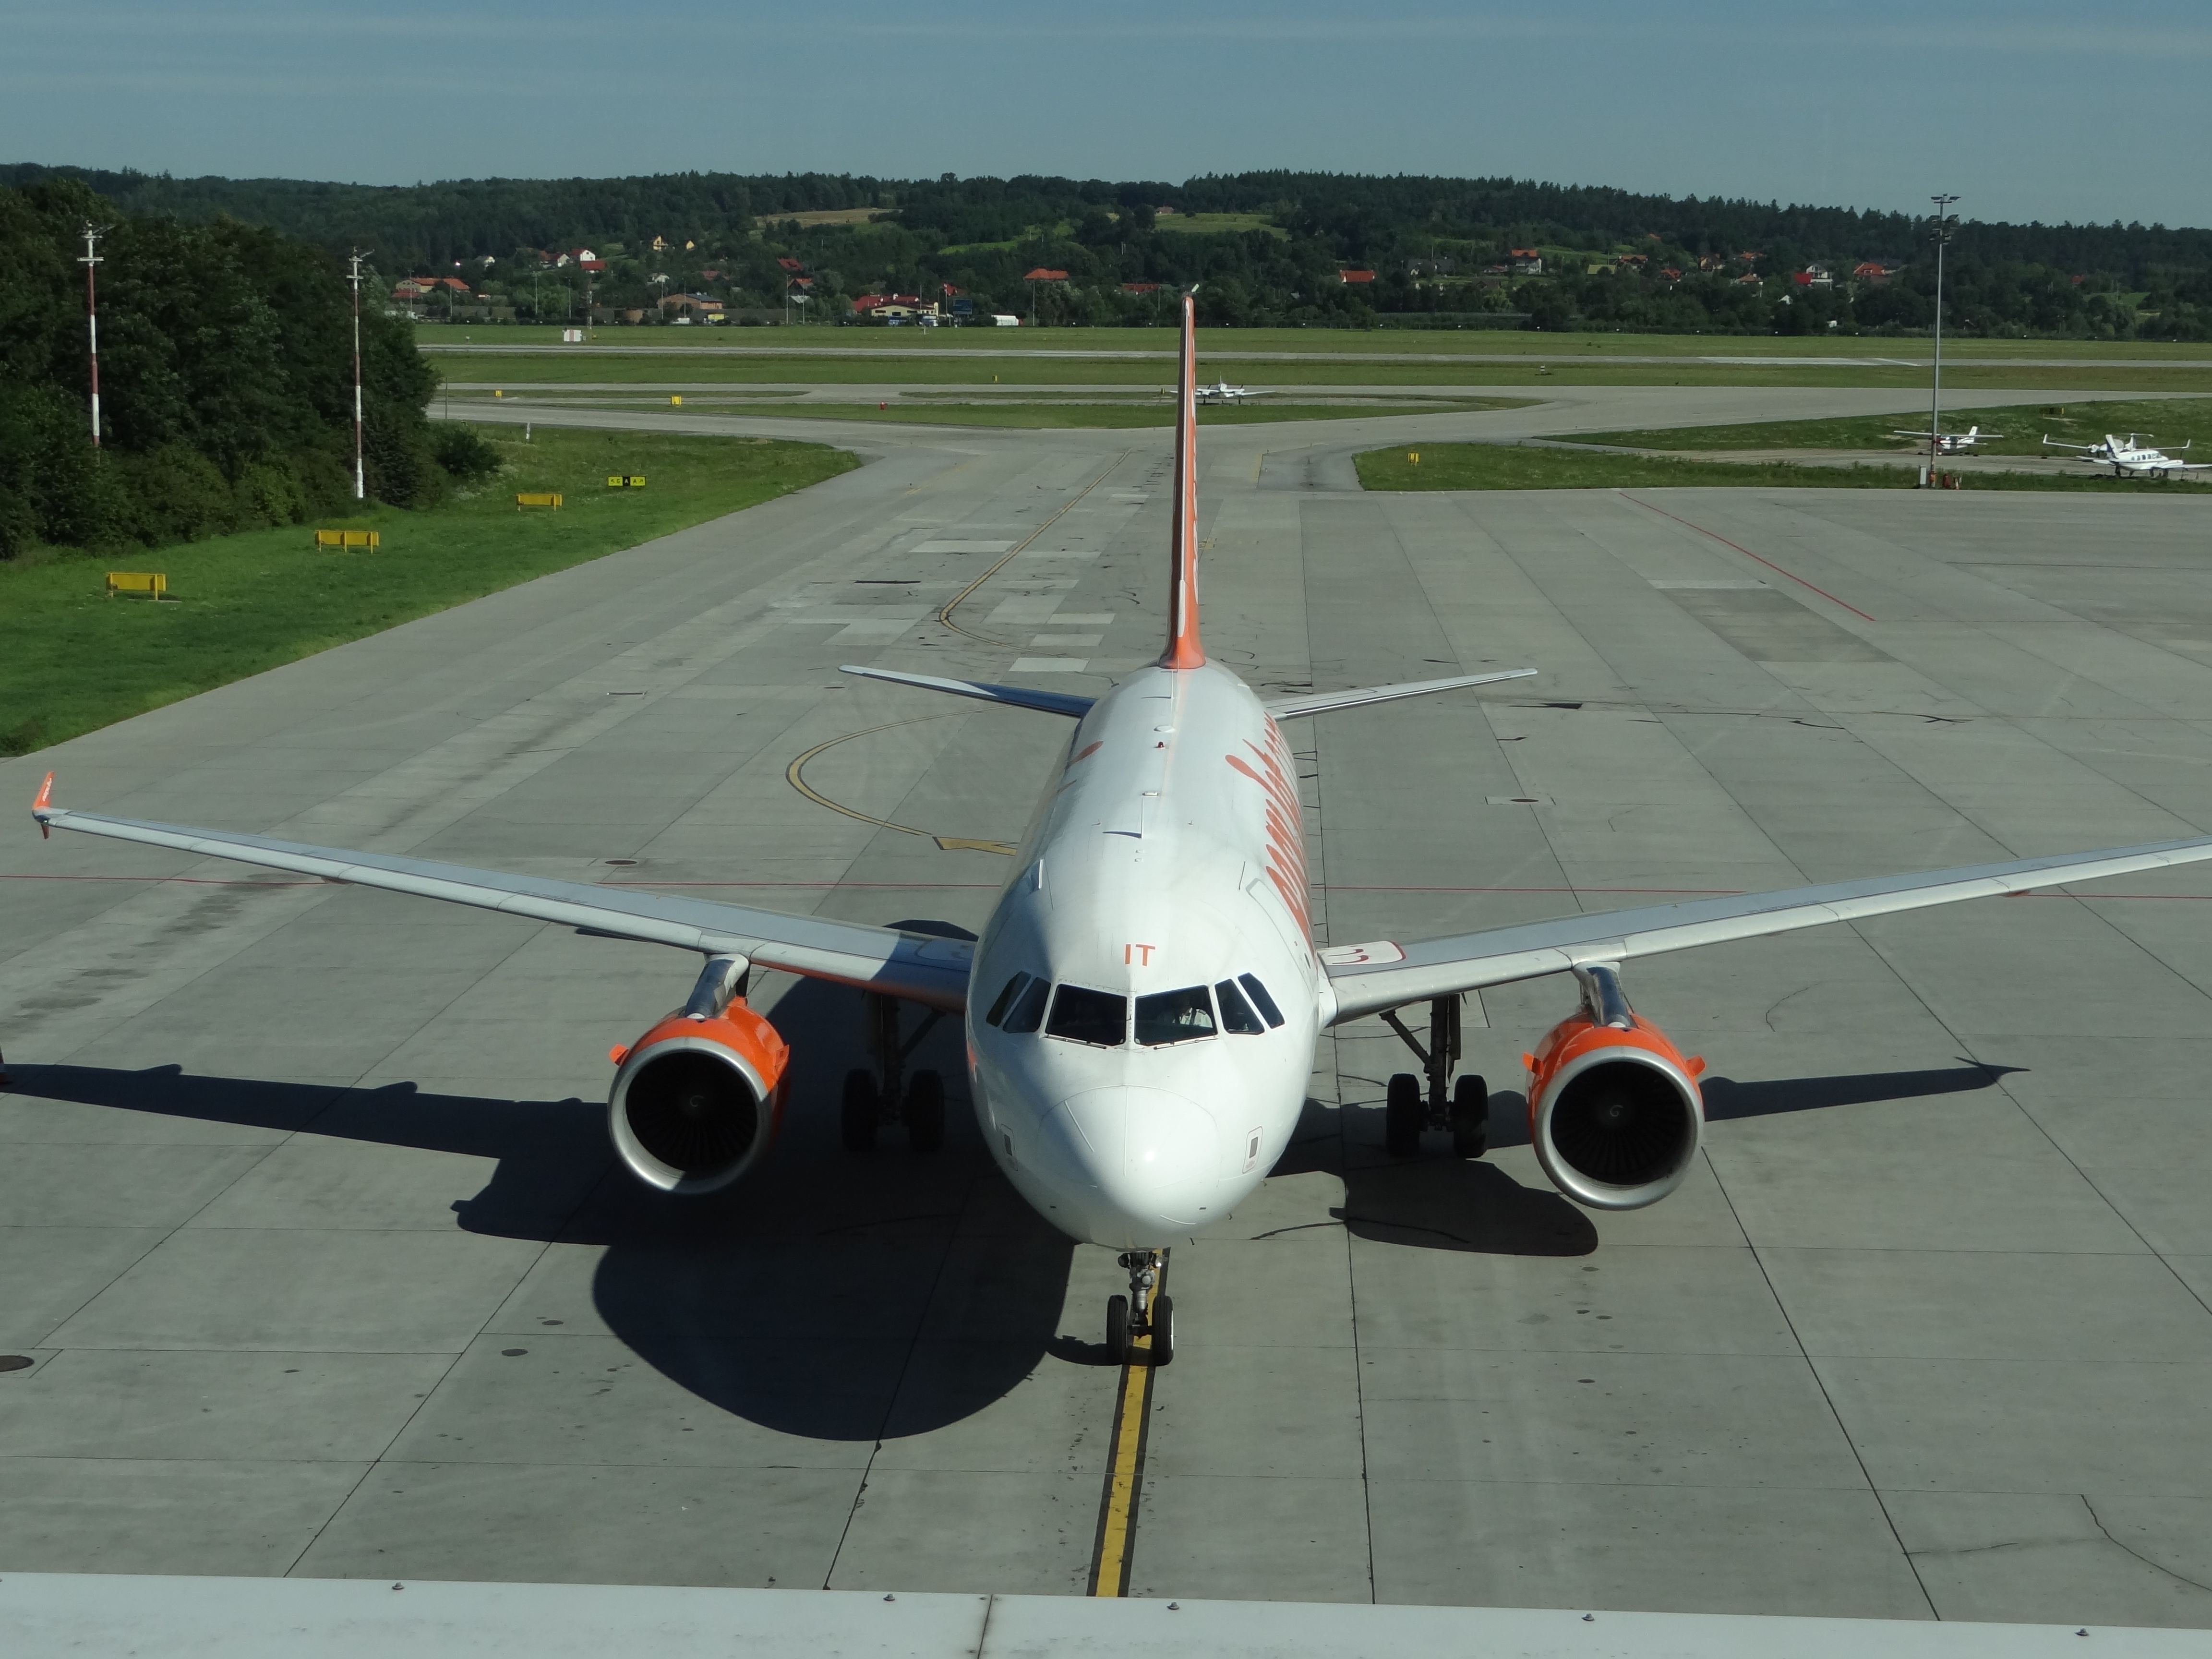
{"x": 1117, "y": 1329}
{"x": 924, "y": 1112}
{"x": 1163, "y": 1329}
{"x": 858, "y": 1112}
{"x": 1470, "y": 1117}
{"x": 1402, "y": 1112}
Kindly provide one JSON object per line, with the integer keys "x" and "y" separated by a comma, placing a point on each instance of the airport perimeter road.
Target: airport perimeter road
{"x": 309, "y": 1220}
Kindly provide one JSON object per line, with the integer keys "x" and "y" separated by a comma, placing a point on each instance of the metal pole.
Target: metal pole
{"x": 360, "y": 473}
{"x": 90, "y": 259}
{"x": 1935, "y": 389}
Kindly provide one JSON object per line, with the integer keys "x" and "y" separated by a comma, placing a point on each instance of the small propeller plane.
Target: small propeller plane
{"x": 1222, "y": 392}
{"x": 2130, "y": 457}
{"x": 1952, "y": 443}
{"x": 1142, "y": 1007}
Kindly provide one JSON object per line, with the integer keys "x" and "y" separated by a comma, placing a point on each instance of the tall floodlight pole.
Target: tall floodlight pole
{"x": 1942, "y": 237}
{"x": 90, "y": 259}
{"x": 360, "y": 474}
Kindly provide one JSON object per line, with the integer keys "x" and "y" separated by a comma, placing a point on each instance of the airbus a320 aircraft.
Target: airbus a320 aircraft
{"x": 1952, "y": 443}
{"x": 2130, "y": 457}
{"x": 1142, "y": 1007}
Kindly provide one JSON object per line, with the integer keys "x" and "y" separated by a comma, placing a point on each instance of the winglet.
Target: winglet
{"x": 41, "y": 803}
{"x": 1184, "y": 649}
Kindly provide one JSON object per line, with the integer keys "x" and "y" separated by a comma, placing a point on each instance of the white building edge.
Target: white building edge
{"x": 86, "y": 1614}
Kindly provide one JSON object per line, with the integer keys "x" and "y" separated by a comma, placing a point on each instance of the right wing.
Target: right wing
{"x": 1322, "y": 702}
{"x": 1015, "y": 696}
{"x": 1369, "y": 978}
{"x": 920, "y": 966}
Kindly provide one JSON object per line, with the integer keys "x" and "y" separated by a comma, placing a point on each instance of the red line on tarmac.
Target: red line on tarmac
{"x": 1748, "y": 554}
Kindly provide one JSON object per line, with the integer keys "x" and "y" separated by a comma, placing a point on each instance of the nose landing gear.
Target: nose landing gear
{"x": 1408, "y": 1109}
{"x": 1141, "y": 1313}
{"x": 873, "y": 1098}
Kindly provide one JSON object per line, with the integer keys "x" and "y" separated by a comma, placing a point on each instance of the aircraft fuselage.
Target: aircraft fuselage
{"x": 1152, "y": 1066}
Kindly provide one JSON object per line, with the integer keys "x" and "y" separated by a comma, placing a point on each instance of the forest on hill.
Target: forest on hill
{"x": 226, "y": 380}
{"x": 1269, "y": 248}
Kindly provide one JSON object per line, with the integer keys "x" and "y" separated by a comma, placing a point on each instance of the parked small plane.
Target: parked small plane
{"x": 1952, "y": 443}
{"x": 1142, "y": 1007}
{"x": 2130, "y": 457}
{"x": 1222, "y": 392}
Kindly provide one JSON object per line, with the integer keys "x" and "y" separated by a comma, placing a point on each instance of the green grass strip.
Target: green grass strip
{"x": 72, "y": 659}
{"x": 1512, "y": 466}
{"x": 1041, "y": 417}
{"x": 2174, "y": 420}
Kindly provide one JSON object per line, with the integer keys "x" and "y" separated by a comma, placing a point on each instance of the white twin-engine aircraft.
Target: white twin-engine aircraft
{"x": 1222, "y": 392}
{"x": 2131, "y": 457}
{"x": 1952, "y": 443}
{"x": 1142, "y": 1007}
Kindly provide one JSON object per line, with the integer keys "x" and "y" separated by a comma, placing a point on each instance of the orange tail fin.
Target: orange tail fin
{"x": 1184, "y": 649}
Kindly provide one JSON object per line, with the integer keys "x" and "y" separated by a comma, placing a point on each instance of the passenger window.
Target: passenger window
{"x": 1260, "y": 999}
{"x": 1028, "y": 1011}
{"x": 1236, "y": 1014}
{"x": 1098, "y": 1017}
{"x": 1174, "y": 1016}
{"x": 1006, "y": 999}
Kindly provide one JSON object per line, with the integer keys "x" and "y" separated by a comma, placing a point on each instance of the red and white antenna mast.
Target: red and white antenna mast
{"x": 90, "y": 259}
{"x": 360, "y": 477}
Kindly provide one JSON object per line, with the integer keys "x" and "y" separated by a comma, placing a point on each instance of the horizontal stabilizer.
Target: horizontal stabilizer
{"x": 1017, "y": 697}
{"x": 1321, "y": 702}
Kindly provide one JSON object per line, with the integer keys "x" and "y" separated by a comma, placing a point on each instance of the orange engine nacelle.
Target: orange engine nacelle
{"x": 1614, "y": 1106}
{"x": 698, "y": 1099}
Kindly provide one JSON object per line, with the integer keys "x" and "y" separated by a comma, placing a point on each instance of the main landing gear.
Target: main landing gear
{"x": 885, "y": 1094}
{"x": 1140, "y": 1314}
{"x": 1408, "y": 1109}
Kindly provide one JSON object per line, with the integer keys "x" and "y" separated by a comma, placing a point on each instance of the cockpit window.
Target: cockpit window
{"x": 1175, "y": 1016}
{"x": 1236, "y": 1014}
{"x": 1006, "y": 999}
{"x": 1260, "y": 999}
{"x": 1028, "y": 1011}
{"x": 1082, "y": 1015}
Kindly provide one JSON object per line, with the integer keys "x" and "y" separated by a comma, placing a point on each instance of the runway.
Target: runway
{"x": 308, "y": 1221}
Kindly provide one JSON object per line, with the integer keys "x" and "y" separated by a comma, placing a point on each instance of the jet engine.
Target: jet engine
{"x": 1614, "y": 1106}
{"x": 698, "y": 1099}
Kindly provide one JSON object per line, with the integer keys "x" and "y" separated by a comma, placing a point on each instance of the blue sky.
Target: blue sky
{"x": 2031, "y": 110}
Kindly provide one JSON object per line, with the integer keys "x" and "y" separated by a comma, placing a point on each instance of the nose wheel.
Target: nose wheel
{"x": 1141, "y": 1314}
{"x": 886, "y": 1093}
{"x": 1410, "y": 1108}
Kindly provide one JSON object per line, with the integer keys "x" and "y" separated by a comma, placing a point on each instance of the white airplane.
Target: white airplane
{"x": 1142, "y": 1007}
{"x": 1952, "y": 443}
{"x": 1222, "y": 392}
{"x": 2130, "y": 458}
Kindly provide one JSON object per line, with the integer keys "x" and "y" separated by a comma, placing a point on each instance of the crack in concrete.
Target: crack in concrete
{"x": 2156, "y": 1566}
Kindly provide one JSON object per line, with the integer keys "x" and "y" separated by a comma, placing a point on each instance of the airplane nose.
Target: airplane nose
{"x": 1155, "y": 1157}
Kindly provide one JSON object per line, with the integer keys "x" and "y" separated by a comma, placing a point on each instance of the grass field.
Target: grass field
{"x": 952, "y": 368}
{"x": 1509, "y": 466}
{"x": 72, "y": 659}
{"x": 1217, "y": 224}
{"x": 2175, "y": 420}
{"x": 1054, "y": 416}
{"x": 1325, "y": 342}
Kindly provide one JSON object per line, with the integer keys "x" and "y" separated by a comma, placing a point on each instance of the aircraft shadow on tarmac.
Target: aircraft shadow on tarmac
{"x": 1457, "y": 1204}
{"x": 855, "y": 1298}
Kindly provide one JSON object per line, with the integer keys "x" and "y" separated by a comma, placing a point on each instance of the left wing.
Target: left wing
{"x": 1369, "y": 978}
{"x": 1017, "y": 696}
{"x": 920, "y": 966}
